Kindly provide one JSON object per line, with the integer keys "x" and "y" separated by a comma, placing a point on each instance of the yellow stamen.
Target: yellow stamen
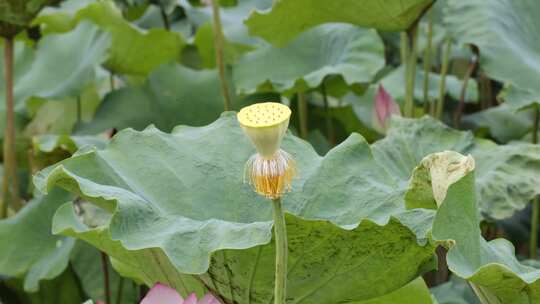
{"x": 271, "y": 177}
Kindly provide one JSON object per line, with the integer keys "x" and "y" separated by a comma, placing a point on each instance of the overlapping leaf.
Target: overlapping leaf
{"x": 15, "y": 15}
{"x": 28, "y": 247}
{"x": 414, "y": 292}
{"x": 172, "y": 95}
{"x": 64, "y": 66}
{"x": 278, "y": 26}
{"x": 356, "y": 54}
{"x": 87, "y": 264}
{"x": 491, "y": 267}
{"x": 507, "y": 176}
{"x": 501, "y": 29}
{"x": 231, "y": 18}
{"x": 133, "y": 51}
{"x": 195, "y": 213}
{"x": 503, "y": 122}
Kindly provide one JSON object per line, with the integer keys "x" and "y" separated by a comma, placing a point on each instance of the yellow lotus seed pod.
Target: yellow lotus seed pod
{"x": 265, "y": 124}
{"x": 271, "y": 170}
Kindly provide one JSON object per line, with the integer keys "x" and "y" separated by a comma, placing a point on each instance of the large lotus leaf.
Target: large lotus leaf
{"x": 507, "y": 175}
{"x": 500, "y": 29}
{"x": 147, "y": 265}
{"x": 61, "y": 116}
{"x": 64, "y": 66}
{"x": 87, "y": 264}
{"x": 502, "y": 122}
{"x": 195, "y": 213}
{"x": 48, "y": 143}
{"x": 519, "y": 99}
{"x": 133, "y": 51}
{"x": 278, "y": 26}
{"x": 50, "y": 149}
{"x": 415, "y": 292}
{"x": 204, "y": 40}
{"x": 455, "y": 291}
{"x": 172, "y": 95}
{"x": 232, "y": 18}
{"x": 394, "y": 84}
{"x": 491, "y": 266}
{"x": 355, "y": 53}
{"x": 15, "y": 15}
{"x": 21, "y": 12}
{"x": 62, "y": 289}
{"x": 65, "y": 63}
{"x": 28, "y": 247}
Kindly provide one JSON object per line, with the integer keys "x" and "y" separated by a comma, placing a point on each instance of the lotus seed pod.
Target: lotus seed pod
{"x": 271, "y": 170}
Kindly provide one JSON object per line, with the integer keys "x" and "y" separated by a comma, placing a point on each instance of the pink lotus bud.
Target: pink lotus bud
{"x": 163, "y": 294}
{"x": 384, "y": 108}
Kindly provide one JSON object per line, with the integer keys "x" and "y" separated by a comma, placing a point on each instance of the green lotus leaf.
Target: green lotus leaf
{"x": 508, "y": 36}
{"x": 133, "y": 51}
{"x": 491, "y": 267}
{"x": 198, "y": 216}
{"x": 455, "y": 291}
{"x": 501, "y": 169}
{"x": 232, "y": 18}
{"x": 29, "y": 249}
{"x": 48, "y": 143}
{"x": 15, "y": 15}
{"x": 204, "y": 40}
{"x": 48, "y": 292}
{"x": 65, "y": 64}
{"x": 87, "y": 264}
{"x": 161, "y": 101}
{"x": 277, "y": 26}
{"x": 414, "y": 292}
{"x": 519, "y": 99}
{"x": 61, "y": 116}
{"x": 356, "y": 54}
{"x": 502, "y": 122}
{"x": 64, "y": 67}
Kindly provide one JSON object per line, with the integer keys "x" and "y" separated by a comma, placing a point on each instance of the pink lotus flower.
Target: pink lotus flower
{"x": 384, "y": 108}
{"x": 163, "y": 294}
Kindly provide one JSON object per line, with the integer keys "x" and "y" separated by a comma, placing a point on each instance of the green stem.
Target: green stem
{"x": 10, "y": 186}
{"x": 461, "y": 105}
{"x": 280, "y": 235}
{"x": 427, "y": 62}
{"x": 487, "y": 94}
{"x": 220, "y": 62}
{"x": 106, "y": 285}
{"x": 120, "y": 290}
{"x": 303, "y": 115}
{"x": 410, "y": 73}
{"x": 111, "y": 81}
{"x": 535, "y": 203}
{"x": 79, "y": 110}
{"x": 330, "y": 132}
{"x": 442, "y": 84}
{"x": 534, "y": 228}
{"x": 404, "y": 47}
